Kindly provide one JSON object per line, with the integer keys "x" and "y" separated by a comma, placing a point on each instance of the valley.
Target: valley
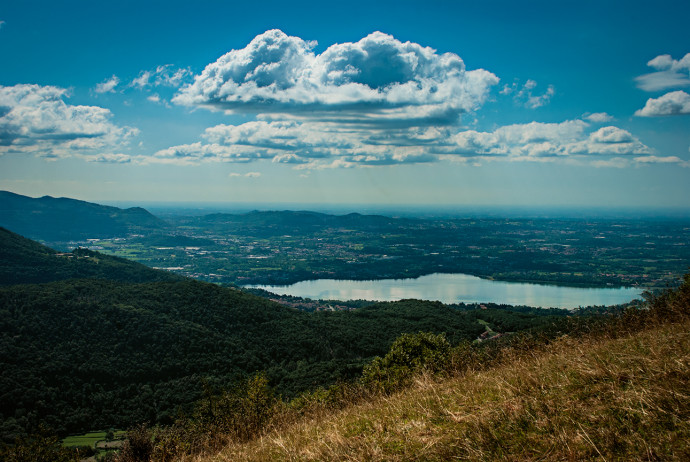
{"x": 279, "y": 248}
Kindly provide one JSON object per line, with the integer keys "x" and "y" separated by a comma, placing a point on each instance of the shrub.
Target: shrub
{"x": 139, "y": 445}
{"x": 41, "y": 447}
{"x": 410, "y": 354}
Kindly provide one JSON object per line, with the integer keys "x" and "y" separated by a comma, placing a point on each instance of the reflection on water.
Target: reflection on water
{"x": 455, "y": 288}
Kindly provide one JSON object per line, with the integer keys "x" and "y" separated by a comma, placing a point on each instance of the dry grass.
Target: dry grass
{"x": 577, "y": 399}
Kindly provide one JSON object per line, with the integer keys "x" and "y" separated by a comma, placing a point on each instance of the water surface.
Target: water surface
{"x": 456, "y": 288}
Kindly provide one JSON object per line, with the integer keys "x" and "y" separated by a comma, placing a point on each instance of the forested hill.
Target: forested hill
{"x": 63, "y": 219}
{"x": 83, "y": 354}
{"x": 107, "y": 350}
{"x": 23, "y": 261}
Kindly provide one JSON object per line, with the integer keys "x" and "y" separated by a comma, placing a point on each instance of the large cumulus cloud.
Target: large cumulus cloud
{"x": 673, "y": 103}
{"x": 378, "y": 101}
{"x": 377, "y": 79}
{"x": 35, "y": 119}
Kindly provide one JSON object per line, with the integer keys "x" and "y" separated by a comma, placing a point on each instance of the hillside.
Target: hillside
{"x": 112, "y": 343}
{"x": 83, "y": 354}
{"x": 53, "y": 219}
{"x": 23, "y": 261}
{"x": 101, "y": 348}
{"x": 605, "y": 398}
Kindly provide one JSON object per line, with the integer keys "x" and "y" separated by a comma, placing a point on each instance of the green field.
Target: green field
{"x": 91, "y": 438}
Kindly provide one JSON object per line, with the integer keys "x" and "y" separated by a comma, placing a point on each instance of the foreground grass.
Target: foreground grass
{"x": 607, "y": 399}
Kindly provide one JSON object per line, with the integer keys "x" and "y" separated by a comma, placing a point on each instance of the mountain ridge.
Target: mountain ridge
{"x": 54, "y": 219}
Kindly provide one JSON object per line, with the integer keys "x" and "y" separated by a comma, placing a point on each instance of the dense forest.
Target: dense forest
{"x": 95, "y": 351}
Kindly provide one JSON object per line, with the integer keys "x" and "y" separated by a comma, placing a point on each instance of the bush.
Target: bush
{"x": 41, "y": 447}
{"x": 240, "y": 412}
{"x": 671, "y": 305}
{"x": 139, "y": 445}
{"x": 410, "y": 354}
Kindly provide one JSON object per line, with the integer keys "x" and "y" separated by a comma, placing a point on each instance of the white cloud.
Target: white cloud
{"x": 323, "y": 144}
{"x": 375, "y": 81}
{"x": 196, "y": 152}
{"x": 108, "y": 158}
{"x": 142, "y": 81}
{"x": 34, "y": 119}
{"x": 246, "y": 175}
{"x": 2, "y": 23}
{"x": 614, "y": 162}
{"x": 526, "y": 96}
{"x": 662, "y": 160}
{"x": 166, "y": 76}
{"x": 611, "y": 135}
{"x": 155, "y": 98}
{"x": 670, "y": 73}
{"x": 598, "y": 117}
{"x": 673, "y": 103}
{"x": 107, "y": 86}
{"x": 537, "y": 140}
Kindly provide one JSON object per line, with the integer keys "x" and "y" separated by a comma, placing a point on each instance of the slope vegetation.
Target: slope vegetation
{"x": 615, "y": 389}
{"x": 23, "y": 261}
{"x": 608, "y": 399}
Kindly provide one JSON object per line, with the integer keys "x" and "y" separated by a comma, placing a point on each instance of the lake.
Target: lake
{"x": 456, "y": 288}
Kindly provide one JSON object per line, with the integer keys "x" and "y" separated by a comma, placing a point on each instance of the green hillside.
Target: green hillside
{"x": 112, "y": 343}
{"x": 84, "y": 354}
{"x": 611, "y": 387}
{"x": 23, "y": 261}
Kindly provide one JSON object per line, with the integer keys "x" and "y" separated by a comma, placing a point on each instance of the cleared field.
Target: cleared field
{"x": 90, "y": 439}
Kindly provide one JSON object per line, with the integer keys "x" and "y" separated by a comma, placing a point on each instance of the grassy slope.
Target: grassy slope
{"x": 610, "y": 399}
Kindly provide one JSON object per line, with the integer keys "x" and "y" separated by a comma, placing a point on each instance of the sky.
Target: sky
{"x": 446, "y": 103}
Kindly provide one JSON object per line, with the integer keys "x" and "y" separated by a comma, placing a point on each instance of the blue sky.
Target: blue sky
{"x": 457, "y": 103}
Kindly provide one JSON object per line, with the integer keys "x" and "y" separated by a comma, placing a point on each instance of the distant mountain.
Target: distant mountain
{"x": 23, "y": 261}
{"x": 61, "y": 219}
{"x": 270, "y": 223}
